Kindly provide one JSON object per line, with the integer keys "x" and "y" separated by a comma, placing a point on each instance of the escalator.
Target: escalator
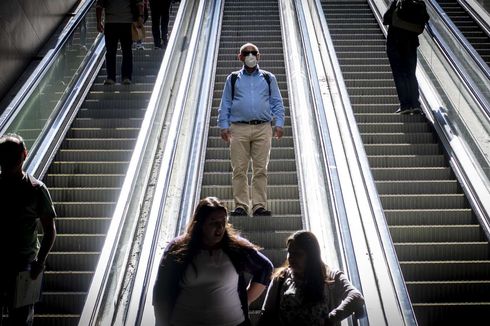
{"x": 468, "y": 27}
{"x": 442, "y": 250}
{"x": 255, "y": 21}
{"x": 85, "y": 178}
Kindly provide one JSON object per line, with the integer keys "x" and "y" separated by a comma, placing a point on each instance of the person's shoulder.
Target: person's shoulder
{"x": 266, "y": 72}
{"x": 33, "y": 182}
{"x": 283, "y": 273}
{"x": 335, "y": 273}
{"x": 236, "y": 73}
{"x": 175, "y": 242}
{"x": 268, "y": 76}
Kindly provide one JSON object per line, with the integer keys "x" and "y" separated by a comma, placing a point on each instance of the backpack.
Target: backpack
{"x": 234, "y": 77}
{"x": 410, "y": 15}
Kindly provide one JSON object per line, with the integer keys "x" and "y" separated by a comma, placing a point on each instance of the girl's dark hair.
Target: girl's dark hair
{"x": 316, "y": 272}
{"x": 190, "y": 243}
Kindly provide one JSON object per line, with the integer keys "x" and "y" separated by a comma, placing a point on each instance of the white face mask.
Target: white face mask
{"x": 250, "y": 61}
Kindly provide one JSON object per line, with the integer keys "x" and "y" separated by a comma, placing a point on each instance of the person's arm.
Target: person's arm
{"x": 269, "y": 313}
{"x": 351, "y": 299}
{"x": 98, "y": 14}
{"x": 254, "y": 291}
{"x": 224, "y": 111}
{"x": 387, "y": 17}
{"x": 49, "y": 235}
{"x": 166, "y": 287}
{"x": 261, "y": 269}
{"x": 46, "y": 214}
{"x": 141, "y": 13}
{"x": 277, "y": 107}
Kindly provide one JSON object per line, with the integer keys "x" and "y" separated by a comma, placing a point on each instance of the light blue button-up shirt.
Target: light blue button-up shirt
{"x": 252, "y": 100}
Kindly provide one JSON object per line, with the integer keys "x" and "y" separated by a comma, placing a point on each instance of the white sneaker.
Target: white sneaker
{"x": 140, "y": 46}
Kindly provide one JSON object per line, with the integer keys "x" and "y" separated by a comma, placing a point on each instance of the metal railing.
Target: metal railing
{"x": 177, "y": 185}
{"x": 36, "y": 100}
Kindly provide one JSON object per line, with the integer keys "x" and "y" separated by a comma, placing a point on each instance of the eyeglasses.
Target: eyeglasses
{"x": 246, "y": 53}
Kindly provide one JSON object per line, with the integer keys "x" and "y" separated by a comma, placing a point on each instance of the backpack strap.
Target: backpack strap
{"x": 234, "y": 77}
{"x": 267, "y": 77}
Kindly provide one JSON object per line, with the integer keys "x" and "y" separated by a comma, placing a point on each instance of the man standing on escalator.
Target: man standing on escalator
{"x": 117, "y": 27}
{"x": 160, "y": 13}
{"x": 251, "y": 102}
{"x": 24, "y": 202}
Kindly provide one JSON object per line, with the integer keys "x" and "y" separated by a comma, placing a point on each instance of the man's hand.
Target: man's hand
{"x": 226, "y": 135}
{"x": 278, "y": 132}
{"x": 100, "y": 27}
{"x": 98, "y": 14}
{"x": 36, "y": 269}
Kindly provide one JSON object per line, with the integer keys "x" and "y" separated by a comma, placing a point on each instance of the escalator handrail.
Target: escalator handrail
{"x": 53, "y": 134}
{"x": 312, "y": 90}
{"x": 483, "y": 22}
{"x": 104, "y": 290}
{"x": 194, "y": 96}
{"x": 15, "y": 106}
{"x": 469, "y": 178}
{"x": 315, "y": 182}
{"x": 470, "y": 50}
{"x": 460, "y": 37}
{"x": 195, "y": 169}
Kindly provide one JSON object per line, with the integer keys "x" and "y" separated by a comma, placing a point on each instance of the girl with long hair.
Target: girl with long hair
{"x": 305, "y": 291}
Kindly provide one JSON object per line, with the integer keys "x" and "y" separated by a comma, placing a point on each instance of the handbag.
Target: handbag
{"x": 410, "y": 15}
{"x": 137, "y": 32}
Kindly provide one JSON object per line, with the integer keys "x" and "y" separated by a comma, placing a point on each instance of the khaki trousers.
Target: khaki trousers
{"x": 250, "y": 142}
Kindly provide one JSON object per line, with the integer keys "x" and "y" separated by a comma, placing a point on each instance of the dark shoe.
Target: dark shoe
{"x": 109, "y": 81}
{"x": 401, "y": 110}
{"x": 261, "y": 211}
{"x": 239, "y": 212}
{"x": 127, "y": 81}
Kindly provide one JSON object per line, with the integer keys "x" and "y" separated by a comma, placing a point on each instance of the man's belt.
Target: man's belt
{"x": 251, "y": 122}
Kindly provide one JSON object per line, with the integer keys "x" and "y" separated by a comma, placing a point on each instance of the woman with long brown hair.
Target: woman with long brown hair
{"x": 305, "y": 291}
{"x": 201, "y": 276}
